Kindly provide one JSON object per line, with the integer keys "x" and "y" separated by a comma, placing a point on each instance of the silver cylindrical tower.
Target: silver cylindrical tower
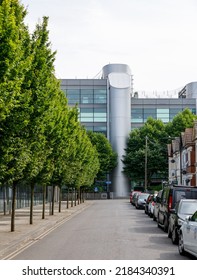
{"x": 120, "y": 86}
{"x": 191, "y": 90}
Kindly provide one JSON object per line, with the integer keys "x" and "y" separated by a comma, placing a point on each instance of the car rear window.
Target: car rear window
{"x": 188, "y": 193}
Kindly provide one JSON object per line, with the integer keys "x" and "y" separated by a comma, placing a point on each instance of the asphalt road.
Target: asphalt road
{"x": 107, "y": 230}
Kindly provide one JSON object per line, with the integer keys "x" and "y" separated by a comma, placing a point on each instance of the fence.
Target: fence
{"x": 22, "y": 197}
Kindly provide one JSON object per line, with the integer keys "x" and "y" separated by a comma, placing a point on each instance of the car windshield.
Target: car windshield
{"x": 188, "y": 207}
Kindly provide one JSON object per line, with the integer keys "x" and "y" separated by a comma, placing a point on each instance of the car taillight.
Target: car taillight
{"x": 170, "y": 202}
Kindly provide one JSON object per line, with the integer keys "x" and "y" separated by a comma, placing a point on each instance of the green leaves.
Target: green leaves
{"x": 41, "y": 139}
{"x": 158, "y": 137}
{"x": 107, "y": 157}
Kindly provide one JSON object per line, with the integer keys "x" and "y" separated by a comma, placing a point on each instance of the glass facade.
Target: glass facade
{"x": 86, "y": 96}
{"x": 159, "y": 109}
{"x": 163, "y": 115}
{"x": 91, "y": 98}
{"x": 93, "y": 115}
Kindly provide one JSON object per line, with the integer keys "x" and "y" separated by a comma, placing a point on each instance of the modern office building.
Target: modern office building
{"x": 108, "y": 105}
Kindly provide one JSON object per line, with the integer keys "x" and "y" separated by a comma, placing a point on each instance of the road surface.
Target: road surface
{"x": 106, "y": 230}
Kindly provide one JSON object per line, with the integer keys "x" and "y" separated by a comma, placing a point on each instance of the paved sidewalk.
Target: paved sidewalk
{"x": 24, "y": 233}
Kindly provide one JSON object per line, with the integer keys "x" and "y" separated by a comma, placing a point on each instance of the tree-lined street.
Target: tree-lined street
{"x": 108, "y": 229}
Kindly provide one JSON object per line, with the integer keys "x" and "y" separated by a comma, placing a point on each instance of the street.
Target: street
{"x": 107, "y": 230}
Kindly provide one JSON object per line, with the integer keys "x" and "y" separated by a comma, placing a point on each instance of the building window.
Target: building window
{"x": 149, "y": 112}
{"x": 73, "y": 96}
{"x": 100, "y": 96}
{"x": 89, "y": 127}
{"x": 101, "y": 129}
{"x": 173, "y": 112}
{"x": 86, "y": 96}
{"x": 137, "y": 115}
{"x": 163, "y": 114}
{"x": 86, "y": 114}
{"x": 100, "y": 115}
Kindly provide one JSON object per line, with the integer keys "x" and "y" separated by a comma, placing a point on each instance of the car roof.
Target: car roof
{"x": 188, "y": 200}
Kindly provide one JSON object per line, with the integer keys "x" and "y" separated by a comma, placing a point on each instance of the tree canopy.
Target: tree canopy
{"x": 158, "y": 136}
{"x": 107, "y": 157}
{"x": 41, "y": 139}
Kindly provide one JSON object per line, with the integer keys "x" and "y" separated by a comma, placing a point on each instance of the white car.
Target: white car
{"x": 188, "y": 236}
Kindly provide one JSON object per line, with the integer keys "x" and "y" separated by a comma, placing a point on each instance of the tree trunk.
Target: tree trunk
{"x": 67, "y": 197}
{"x": 43, "y": 202}
{"x": 83, "y": 198}
{"x": 13, "y": 206}
{"x": 53, "y": 200}
{"x": 75, "y": 196}
{"x": 72, "y": 197}
{"x": 60, "y": 199}
{"x": 31, "y": 203}
{"x": 78, "y": 196}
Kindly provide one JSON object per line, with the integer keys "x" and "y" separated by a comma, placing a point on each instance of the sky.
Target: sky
{"x": 156, "y": 38}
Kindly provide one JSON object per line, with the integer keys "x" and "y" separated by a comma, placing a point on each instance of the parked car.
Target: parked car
{"x": 131, "y": 195}
{"x": 151, "y": 205}
{"x": 146, "y": 206}
{"x": 170, "y": 196}
{"x": 141, "y": 200}
{"x": 134, "y": 198}
{"x": 156, "y": 206}
{"x": 182, "y": 209}
{"x": 188, "y": 236}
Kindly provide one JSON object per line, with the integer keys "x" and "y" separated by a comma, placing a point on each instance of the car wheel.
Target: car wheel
{"x": 158, "y": 224}
{"x": 181, "y": 245}
{"x": 154, "y": 218}
{"x": 174, "y": 236}
{"x": 165, "y": 226}
{"x": 169, "y": 232}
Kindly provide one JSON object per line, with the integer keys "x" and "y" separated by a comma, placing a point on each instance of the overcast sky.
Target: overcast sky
{"x": 156, "y": 38}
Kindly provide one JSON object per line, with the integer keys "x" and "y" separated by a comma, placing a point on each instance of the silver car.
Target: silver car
{"x": 188, "y": 236}
{"x": 141, "y": 200}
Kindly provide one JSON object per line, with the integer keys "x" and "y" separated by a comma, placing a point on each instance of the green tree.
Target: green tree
{"x": 15, "y": 61}
{"x": 158, "y": 135}
{"x": 134, "y": 159}
{"x": 181, "y": 121}
{"x": 107, "y": 157}
{"x": 45, "y": 95}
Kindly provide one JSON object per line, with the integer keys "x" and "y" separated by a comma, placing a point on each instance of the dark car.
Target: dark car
{"x": 170, "y": 196}
{"x": 182, "y": 209}
{"x": 141, "y": 200}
